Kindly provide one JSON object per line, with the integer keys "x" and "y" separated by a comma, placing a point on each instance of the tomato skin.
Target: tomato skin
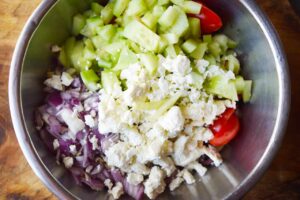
{"x": 210, "y": 21}
{"x": 225, "y": 128}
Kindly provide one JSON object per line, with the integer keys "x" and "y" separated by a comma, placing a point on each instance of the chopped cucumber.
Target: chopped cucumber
{"x": 127, "y": 57}
{"x": 158, "y": 11}
{"x": 167, "y": 104}
{"x": 150, "y": 20}
{"x": 189, "y": 46}
{"x": 152, "y": 105}
{"x": 181, "y": 26}
{"x": 119, "y": 7}
{"x": 151, "y": 3}
{"x": 107, "y": 32}
{"x": 169, "y": 17}
{"x": 191, "y": 7}
{"x": 239, "y": 84}
{"x": 136, "y": 8}
{"x": 171, "y": 38}
{"x": 170, "y": 51}
{"x": 207, "y": 38}
{"x": 142, "y": 35}
{"x": 90, "y": 29}
{"x": 221, "y": 86}
{"x": 247, "y": 91}
{"x": 232, "y": 63}
{"x": 103, "y": 63}
{"x": 199, "y": 52}
{"x": 214, "y": 49}
{"x": 79, "y": 22}
{"x": 195, "y": 27}
{"x": 115, "y": 48}
{"x": 96, "y": 8}
{"x": 99, "y": 42}
{"x": 107, "y": 13}
{"x": 150, "y": 61}
{"x": 110, "y": 81}
{"x": 163, "y": 2}
{"x": 197, "y": 80}
{"x": 90, "y": 79}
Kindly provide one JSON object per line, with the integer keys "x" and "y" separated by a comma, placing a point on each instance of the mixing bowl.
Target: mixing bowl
{"x": 246, "y": 158}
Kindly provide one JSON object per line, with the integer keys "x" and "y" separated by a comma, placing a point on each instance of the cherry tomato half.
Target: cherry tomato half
{"x": 225, "y": 128}
{"x": 210, "y": 21}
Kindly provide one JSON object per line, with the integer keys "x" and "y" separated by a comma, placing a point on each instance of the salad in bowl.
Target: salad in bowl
{"x": 144, "y": 96}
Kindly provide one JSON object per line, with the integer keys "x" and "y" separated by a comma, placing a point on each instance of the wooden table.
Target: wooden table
{"x": 18, "y": 182}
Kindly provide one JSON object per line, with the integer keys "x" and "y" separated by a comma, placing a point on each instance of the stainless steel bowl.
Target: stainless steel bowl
{"x": 246, "y": 158}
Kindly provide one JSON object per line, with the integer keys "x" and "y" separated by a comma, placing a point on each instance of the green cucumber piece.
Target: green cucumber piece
{"x": 170, "y": 51}
{"x": 107, "y": 13}
{"x": 142, "y": 35}
{"x": 127, "y": 57}
{"x": 171, "y": 38}
{"x": 90, "y": 79}
{"x": 99, "y": 42}
{"x": 167, "y": 104}
{"x": 191, "y": 7}
{"x": 150, "y": 20}
{"x": 151, "y": 3}
{"x": 189, "y": 46}
{"x": 247, "y": 91}
{"x": 232, "y": 64}
{"x": 79, "y": 22}
{"x": 64, "y": 56}
{"x": 195, "y": 27}
{"x": 150, "y": 61}
{"x": 200, "y": 51}
{"x": 177, "y": 2}
{"x": 222, "y": 40}
{"x": 181, "y": 26}
{"x": 207, "y": 38}
{"x": 163, "y": 2}
{"x": 107, "y": 32}
{"x": 110, "y": 81}
{"x": 197, "y": 80}
{"x": 169, "y": 17}
{"x": 103, "y": 63}
{"x": 115, "y": 48}
{"x": 239, "y": 84}
{"x": 147, "y": 106}
{"x": 136, "y": 8}
{"x": 119, "y": 7}
{"x": 90, "y": 29}
{"x": 158, "y": 11}
{"x": 221, "y": 86}
{"x": 215, "y": 49}
{"x": 96, "y": 8}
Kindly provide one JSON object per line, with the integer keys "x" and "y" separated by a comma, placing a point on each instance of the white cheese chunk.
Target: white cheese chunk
{"x": 197, "y": 167}
{"x": 188, "y": 177}
{"x": 119, "y": 155}
{"x": 134, "y": 178}
{"x": 55, "y": 144}
{"x": 179, "y": 65}
{"x": 175, "y": 183}
{"x": 172, "y": 121}
{"x": 155, "y": 184}
{"x": 94, "y": 141}
{"x": 108, "y": 184}
{"x": 117, "y": 190}
{"x": 89, "y": 120}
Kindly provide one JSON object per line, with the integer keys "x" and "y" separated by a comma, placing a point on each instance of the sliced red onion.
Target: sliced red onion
{"x": 108, "y": 141}
{"x": 93, "y": 183}
{"x": 54, "y": 99}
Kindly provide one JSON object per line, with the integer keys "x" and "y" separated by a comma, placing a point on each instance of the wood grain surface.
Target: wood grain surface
{"x": 18, "y": 182}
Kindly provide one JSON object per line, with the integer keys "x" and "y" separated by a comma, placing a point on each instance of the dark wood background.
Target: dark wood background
{"x": 18, "y": 182}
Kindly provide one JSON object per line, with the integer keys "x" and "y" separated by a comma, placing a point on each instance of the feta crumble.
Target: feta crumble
{"x": 155, "y": 184}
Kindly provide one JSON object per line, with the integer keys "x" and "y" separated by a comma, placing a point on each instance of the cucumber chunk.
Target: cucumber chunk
{"x": 150, "y": 61}
{"x": 127, "y": 57}
{"x": 232, "y": 63}
{"x": 169, "y": 17}
{"x": 221, "y": 86}
{"x": 90, "y": 79}
{"x": 79, "y": 22}
{"x": 181, "y": 26}
{"x": 136, "y": 8}
{"x": 107, "y": 13}
{"x": 96, "y": 8}
{"x": 200, "y": 51}
{"x": 189, "y": 46}
{"x": 195, "y": 27}
{"x": 142, "y": 35}
{"x": 110, "y": 81}
{"x": 119, "y": 7}
{"x": 191, "y": 7}
{"x": 150, "y": 20}
{"x": 247, "y": 91}
{"x": 239, "y": 84}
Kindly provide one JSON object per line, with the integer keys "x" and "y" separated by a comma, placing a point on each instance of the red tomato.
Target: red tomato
{"x": 210, "y": 21}
{"x": 225, "y": 128}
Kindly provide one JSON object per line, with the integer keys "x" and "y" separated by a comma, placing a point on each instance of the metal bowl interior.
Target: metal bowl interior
{"x": 246, "y": 158}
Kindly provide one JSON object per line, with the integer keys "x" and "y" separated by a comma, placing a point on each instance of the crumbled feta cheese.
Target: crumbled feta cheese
{"x": 89, "y": 120}
{"x": 151, "y": 151}
{"x": 175, "y": 183}
{"x": 66, "y": 79}
{"x": 119, "y": 155}
{"x": 197, "y": 167}
{"x": 134, "y": 178}
{"x": 188, "y": 177}
{"x": 108, "y": 184}
{"x": 94, "y": 142}
{"x": 55, "y": 144}
{"x": 186, "y": 150}
{"x": 155, "y": 184}
{"x": 166, "y": 164}
{"x": 179, "y": 65}
{"x": 74, "y": 123}
{"x": 172, "y": 121}
{"x": 213, "y": 154}
{"x": 139, "y": 168}
{"x": 132, "y": 136}
{"x": 73, "y": 149}
{"x": 68, "y": 162}
{"x": 117, "y": 190}
{"x": 54, "y": 82}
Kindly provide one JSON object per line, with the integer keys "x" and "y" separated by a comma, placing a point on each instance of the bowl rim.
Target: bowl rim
{"x": 59, "y": 190}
